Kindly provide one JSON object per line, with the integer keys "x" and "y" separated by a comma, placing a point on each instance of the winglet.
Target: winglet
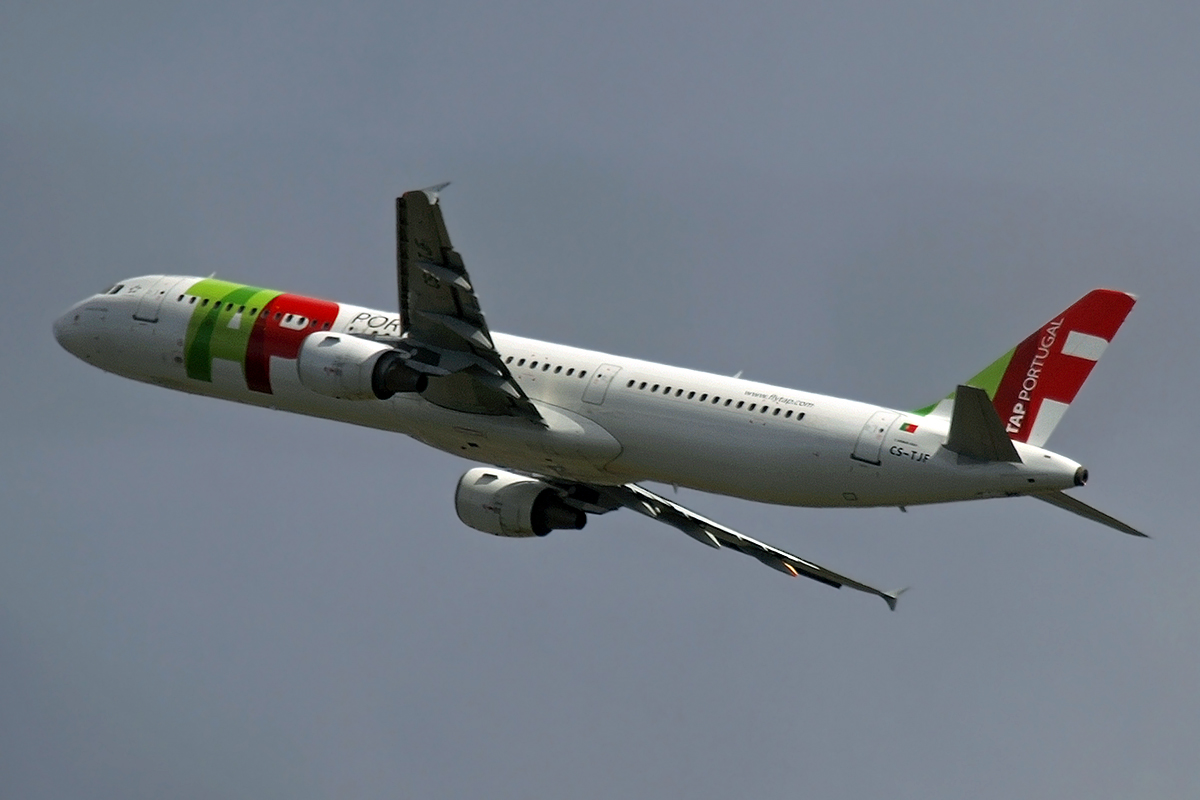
{"x": 891, "y": 598}
{"x": 432, "y": 191}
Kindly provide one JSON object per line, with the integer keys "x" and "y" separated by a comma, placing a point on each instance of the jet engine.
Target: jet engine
{"x": 506, "y": 504}
{"x": 350, "y": 368}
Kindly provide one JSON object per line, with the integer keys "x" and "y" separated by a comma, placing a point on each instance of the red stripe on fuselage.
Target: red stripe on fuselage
{"x": 277, "y": 332}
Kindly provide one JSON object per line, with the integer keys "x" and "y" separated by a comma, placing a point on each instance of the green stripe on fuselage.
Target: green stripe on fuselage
{"x": 222, "y": 328}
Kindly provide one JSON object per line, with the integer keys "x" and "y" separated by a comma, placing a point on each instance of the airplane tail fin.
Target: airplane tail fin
{"x": 1032, "y": 385}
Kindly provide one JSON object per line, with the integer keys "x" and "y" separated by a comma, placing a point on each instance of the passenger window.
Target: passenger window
{"x": 571, "y": 371}
{"x": 643, "y": 386}
{"x": 742, "y": 403}
{"x": 629, "y": 385}
{"x": 583, "y": 373}
{"x": 204, "y": 302}
{"x": 241, "y": 309}
{"x": 752, "y": 405}
{"x": 229, "y": 307}
{"x": 521, "y": 363}
{"x": 775, "y": 413}
{"x": 508, "y": 360}
{"x": 545, "y": 367}
{"x": 279, "y": 315}
{"x": 691, "y": 395}
{"x": 533, "y": 365}
{"x": 192, "y": 300}
{"x": 788, "y": 415}
{"x": 557, "y": 369}
{"x": 179, "y": 299}
{"x": 800, "y": 415}
{"x": 666, "y": 390}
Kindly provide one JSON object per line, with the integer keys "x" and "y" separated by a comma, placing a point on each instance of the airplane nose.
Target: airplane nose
{"x": 69, "y": 332}
{"x": 60, "y": 329}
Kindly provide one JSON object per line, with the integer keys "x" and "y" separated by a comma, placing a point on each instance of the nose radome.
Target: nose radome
{"x": 68, "y": 331}
{"x": 60, "y": 327}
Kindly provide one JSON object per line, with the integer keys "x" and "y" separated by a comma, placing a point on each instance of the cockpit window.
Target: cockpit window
{"x": 114, "y": 289}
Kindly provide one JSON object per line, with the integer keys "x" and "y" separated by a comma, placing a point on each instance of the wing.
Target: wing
{"x": 716, "y": 535}
{"x": 443, "y": 333}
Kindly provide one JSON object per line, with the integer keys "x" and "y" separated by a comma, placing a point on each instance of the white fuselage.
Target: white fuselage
{"x": 609, "y": 419}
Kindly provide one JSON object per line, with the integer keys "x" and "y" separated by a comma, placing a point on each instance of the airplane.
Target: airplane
{"x": 567, "y": 433}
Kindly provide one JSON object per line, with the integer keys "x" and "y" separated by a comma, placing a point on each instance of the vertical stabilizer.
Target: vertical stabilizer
{"x": 1032, "y": 385}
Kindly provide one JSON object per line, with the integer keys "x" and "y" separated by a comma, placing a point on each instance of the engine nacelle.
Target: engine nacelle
{"x": 506, "y": 504}
{"x": 350, "y": 368}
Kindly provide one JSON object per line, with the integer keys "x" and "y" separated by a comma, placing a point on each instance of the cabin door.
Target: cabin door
{"x": 869, "y": 447}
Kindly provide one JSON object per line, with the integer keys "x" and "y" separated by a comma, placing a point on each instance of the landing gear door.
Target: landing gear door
{"x": 597, "y": 387}
{"x": 869, "y": 447}
{"x": 152, "y": 299}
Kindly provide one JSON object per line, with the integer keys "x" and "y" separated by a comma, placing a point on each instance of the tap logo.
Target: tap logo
{"x": 249, "y": 326}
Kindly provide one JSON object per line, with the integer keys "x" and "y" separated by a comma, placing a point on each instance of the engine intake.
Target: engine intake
{"x": 350, "y": 368}
{"x": 506, "y": 504}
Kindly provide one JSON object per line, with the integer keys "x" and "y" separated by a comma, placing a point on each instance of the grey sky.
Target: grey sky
{"x": 871, "y": 200}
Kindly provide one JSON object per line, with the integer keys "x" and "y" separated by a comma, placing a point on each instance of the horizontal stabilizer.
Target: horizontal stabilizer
{"x": 1068, "y": 503}
{"x": 976, "y": 430}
